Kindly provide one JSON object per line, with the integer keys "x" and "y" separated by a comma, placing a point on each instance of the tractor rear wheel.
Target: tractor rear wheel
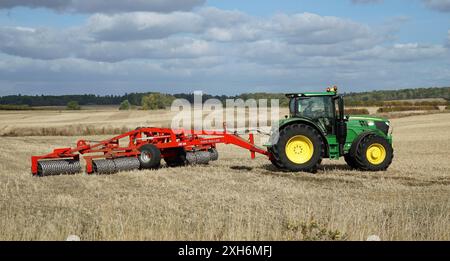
{"x": 150, "y": 157}
{"x": 275, "y": 160}
{"x": 299, "y": 148}
{"x": 374, "y": 153}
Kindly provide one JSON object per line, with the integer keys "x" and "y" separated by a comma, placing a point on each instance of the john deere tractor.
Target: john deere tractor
{"x": 318, "y": 128}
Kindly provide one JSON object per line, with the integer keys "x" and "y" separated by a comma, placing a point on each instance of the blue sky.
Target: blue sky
{"x": 222, "y": 47}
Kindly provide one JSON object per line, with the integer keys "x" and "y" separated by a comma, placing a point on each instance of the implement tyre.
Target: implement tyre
{"x": 150, "y": 157}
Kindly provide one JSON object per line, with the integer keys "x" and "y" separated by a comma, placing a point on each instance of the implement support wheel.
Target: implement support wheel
{"x": 150, "y": 157}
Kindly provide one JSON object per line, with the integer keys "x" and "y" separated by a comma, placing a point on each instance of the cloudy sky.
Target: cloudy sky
{"x": 221, "y": 46}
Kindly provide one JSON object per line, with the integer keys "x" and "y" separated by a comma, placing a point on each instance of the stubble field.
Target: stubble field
{"x": 234, "y": 198}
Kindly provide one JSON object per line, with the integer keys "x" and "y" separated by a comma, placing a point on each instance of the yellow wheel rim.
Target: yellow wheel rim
{"x": 299, "y": 149}
{"x": 376, "y": 154}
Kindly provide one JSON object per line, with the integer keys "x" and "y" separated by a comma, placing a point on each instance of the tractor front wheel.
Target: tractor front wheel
{"x": 299, "y": 148}
{"x": 351, "y": 161}
{"x": 374, "y": 153}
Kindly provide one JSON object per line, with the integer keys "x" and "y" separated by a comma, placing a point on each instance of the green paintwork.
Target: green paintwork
{"x": 287, "y": 121}
{"x": 333, "y": 147}
{"x": 355, "y": 128}
{"x": 356, "y": 125}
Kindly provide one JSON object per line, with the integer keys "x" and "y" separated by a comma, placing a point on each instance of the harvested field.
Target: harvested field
{"x": 234, "y": 198}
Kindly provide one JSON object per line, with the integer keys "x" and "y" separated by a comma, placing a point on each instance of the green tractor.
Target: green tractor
{"x": 318, "y": 128}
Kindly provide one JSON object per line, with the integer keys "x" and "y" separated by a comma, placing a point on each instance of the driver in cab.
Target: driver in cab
{"x": 308, "y": 106}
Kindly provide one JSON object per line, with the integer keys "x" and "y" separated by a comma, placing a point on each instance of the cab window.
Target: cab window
{"x": 315, "y": 107}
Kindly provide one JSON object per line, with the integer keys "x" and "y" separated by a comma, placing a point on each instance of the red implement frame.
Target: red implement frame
{"x": 163, "y": 138}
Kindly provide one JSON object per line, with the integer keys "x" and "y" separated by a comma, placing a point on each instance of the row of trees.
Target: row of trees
{"x": 379, "y": 98}
{"x": 63, "y": 100}
{"x": 152, "y": 101}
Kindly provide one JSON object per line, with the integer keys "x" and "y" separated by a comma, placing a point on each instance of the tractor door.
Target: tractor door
{"x": 319, "y": 109}
{"x": 340, "y": 123}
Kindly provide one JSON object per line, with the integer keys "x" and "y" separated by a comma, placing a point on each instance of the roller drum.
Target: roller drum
{"x": 203, "y": 157}
{"x": 58, "y": 167}
{"x": 104, "y": 166}
{"x": 127, "y": 164}
{"x": 198, "y": 157}
{"x": 190, "y": 158}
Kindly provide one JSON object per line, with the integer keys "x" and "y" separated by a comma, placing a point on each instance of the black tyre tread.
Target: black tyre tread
{"x": 155, "y": 162}
{"x": 360, "y": 157}
{"x": 351, "y": 161}
{"x": 286, "y": 165}
{"x": 275, "y": 159}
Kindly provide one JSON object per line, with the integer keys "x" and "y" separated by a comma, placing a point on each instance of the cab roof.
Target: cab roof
{"x": 331, "y": 91}
{"x": 311, "y": 94}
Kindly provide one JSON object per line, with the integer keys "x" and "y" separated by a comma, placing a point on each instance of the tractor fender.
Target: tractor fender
{"x": 309, "y": 123}
{"x": 358, "y": 140}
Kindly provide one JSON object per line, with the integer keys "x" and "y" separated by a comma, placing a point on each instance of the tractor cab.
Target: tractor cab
{"x": 325, "y": 109}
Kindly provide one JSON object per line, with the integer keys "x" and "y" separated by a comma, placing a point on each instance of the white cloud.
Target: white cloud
{"x": 42, "y": 43}
{"x": 307, "y": 28}
{"x": 413, "y": 52}
{"x": 226, "y": 26}
{"x": 140, "y": 25}
{"x": 169, "y": 48}
{"x": 213, "y": 49}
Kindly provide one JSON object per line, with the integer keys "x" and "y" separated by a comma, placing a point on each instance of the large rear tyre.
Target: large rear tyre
{"x": 300, "y": 148}
{"x": 150, "y": 157}
{"x": 374, "y": 153}
{"x": 275, "y": 160}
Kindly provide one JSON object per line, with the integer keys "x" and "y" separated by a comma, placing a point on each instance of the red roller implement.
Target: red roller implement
{"x": 129, "y": 145}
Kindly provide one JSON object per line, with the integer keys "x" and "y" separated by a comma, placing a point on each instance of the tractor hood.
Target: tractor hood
{"x": 367, "y": 122}
{"x": 366, "y": 118}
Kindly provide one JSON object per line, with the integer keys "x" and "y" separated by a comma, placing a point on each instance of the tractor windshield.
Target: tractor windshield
{"x": 312, "y": 107}
{"x": 319, "y": 108}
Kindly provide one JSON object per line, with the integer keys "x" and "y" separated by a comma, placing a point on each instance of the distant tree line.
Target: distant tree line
{"x": 63, "y": 100}
{"x": 378, "y": 98}
{"x": 133, "y": 99}
{"x": 152, "y": 100}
